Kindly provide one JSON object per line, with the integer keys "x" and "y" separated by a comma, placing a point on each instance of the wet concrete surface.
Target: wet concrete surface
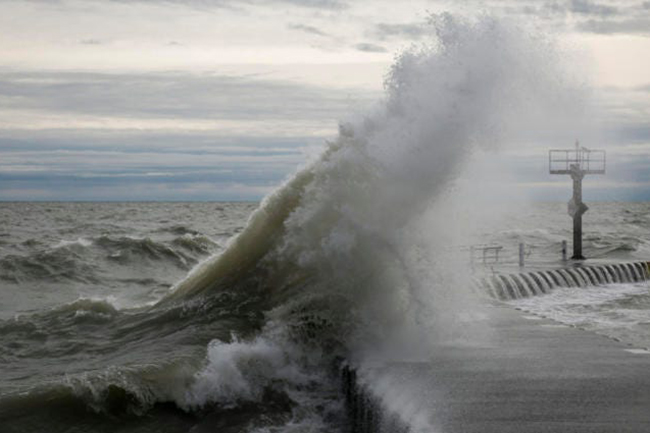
{"x": 529, "y": 375}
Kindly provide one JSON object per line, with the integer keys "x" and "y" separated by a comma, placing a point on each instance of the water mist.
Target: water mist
{"x": 352, "y": 253}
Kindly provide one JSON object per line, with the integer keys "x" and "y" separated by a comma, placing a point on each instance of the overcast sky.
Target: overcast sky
{"x": 223, "y": 99}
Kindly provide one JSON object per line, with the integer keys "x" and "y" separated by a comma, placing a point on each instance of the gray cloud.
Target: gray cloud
{"x": 587, "y": 7}
{"x": 91, "y": 42}
{"x": 78, "y": 165}
{"x": 604, "y": 17}
{"x": 172, "y": 96}
{"x": 209, "y": 4}
{"x": 307, "y": 29}
{"x": 633, "y": 25}
{"x": 195, "y": 143}
{"x": 319, "y": 4}
{"x": 113, "y": 163}
{"x": 385, "y": 31}
{"x": 370, "y": 48}
{"x": 204, "y": 186}
{"x": 551, "y": 9}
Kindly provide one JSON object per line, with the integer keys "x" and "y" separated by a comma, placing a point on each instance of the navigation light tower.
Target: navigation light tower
{"x": 577, "y": 163}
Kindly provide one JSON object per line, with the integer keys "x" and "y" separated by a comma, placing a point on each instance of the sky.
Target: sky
{"x": 224, "y": 99}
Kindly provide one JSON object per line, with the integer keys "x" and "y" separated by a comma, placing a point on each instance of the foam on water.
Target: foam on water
{"x": 79, "y": 241}
{"x": 239, "y": 371}
{"x": 620, "y": 311}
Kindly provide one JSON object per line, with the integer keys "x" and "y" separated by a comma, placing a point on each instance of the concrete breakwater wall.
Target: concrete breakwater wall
{"x": 532, "y": 283}
{"x": 364, "y": 411}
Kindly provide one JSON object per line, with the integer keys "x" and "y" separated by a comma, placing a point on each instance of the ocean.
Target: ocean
{"x": 96, "y": 337}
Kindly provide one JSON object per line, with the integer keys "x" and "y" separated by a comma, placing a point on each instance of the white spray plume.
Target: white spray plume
{"x": 353, "y": 247}
{"x": 356, "y": 222}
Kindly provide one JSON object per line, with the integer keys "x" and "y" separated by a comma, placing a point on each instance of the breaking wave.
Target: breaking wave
{"x": 333, "y": 262}
{"x": 335, "y": 251}
{"x": 336, "y": 243}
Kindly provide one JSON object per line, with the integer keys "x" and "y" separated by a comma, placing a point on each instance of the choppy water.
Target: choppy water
{"x": 84, "y": 346}
{"x": 129, "y": 252}
{"x": 229, "y": 317}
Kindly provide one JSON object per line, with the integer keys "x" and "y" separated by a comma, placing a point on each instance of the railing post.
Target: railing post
{"x": 521, "y": 254}
{"x": 564, "y": 251}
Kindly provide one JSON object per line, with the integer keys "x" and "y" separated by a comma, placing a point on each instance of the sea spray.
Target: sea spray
{"x": 239, "y": 371}
{"x": 336, "y": 251}
{"x": 338, "y": 228}
{"x": 348, "y": 259}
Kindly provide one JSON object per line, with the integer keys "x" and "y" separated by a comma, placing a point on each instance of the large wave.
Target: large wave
{"x": 337, "y": 251}
{"x": 340, "y": 258}
{"x": 336, "y": 235}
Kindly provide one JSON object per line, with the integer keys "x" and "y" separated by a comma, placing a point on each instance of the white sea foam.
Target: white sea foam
{"x": 240, "y": 371}
{"x": 79, "y": 241}
{"x": 617, "y": 310}
{"x": 244, "y": 371}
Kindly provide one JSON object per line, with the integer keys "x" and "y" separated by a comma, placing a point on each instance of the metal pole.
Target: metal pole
{"x": 577, "y": 175}
{"x": 521, "y": 255}
{"x": 564, "y": 251}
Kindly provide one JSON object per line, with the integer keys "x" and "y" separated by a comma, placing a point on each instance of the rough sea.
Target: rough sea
{"x": 237, "y": 317}
{"x": 90, "y": 342}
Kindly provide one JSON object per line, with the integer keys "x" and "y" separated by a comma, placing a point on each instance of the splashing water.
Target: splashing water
{"x": 334, "y": 261}
{"x": 336, "y": 250}
{"x": 339, "y": 234}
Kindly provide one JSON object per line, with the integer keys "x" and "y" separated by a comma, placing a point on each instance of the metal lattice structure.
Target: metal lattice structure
{"x": 577, "y": 163}
{"x": 588, "y": 161}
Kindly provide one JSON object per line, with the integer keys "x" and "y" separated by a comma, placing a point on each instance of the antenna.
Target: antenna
{"x": 577, "y": 163}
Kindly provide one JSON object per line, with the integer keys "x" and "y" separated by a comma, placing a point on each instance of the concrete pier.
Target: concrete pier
{"x": 532, "y": 375}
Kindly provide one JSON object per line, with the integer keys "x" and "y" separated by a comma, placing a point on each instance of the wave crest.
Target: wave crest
{"x": 342, "y": 230}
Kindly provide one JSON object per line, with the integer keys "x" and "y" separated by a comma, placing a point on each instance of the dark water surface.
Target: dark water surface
{"x": 82, "y": 348}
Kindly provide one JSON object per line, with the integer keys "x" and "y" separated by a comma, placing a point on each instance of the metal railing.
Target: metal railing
{"x": 486, "y": 254}
{"x": 560, "y": 161}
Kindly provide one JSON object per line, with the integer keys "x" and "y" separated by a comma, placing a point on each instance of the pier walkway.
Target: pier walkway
{"x": 532, "y": 375}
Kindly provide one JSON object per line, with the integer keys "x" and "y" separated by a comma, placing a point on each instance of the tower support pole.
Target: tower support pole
{"x": 576, "y": 209}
